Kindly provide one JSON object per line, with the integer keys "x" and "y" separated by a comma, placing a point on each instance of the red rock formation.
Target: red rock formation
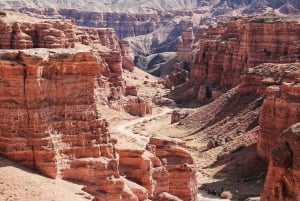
{"x": 98, "y": 36}
{"x": 127, "y": 55}
{"x": 178, "y": 115}
{"x": 229, "y": 49}
{"x": 279, "y": 82}
{"x": 106, "y": 37}
{"x": 278, "y": 112}
{"x": 138, "y": 106}
{"x": 166, "y": 169}
{"x": 117, "y": 54}
{"x": 131, "y": 90}
{"x": 45, "y": 34}
{"x": 283, "y": 177}
{"x": 179, "y": 164}
{"x": 185, "y": 46}
{"x": 51, "y": 123}
{"x": 257, "y": 79}
{"x": 178, "y": 77}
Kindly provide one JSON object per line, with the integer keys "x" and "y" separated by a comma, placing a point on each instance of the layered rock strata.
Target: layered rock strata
{"x": 51, "y": 123}
{"x": 283, "y": 178}
{"x": 165, "y": 168}
{"x": 185, "y": 46}
{"x": 46, "y": 34}
{"x": 228, "y": 49}
{"x": 125, "y": 24}
{"x": 97, "y": 37}
{"x": 138, "y": 106}
{"x": 279, "y": 83}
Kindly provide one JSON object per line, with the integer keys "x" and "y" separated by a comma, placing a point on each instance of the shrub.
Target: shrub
{"x": 226, "y": 195}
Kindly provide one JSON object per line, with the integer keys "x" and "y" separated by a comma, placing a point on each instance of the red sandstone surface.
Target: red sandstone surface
{"x": 229, "y": 49}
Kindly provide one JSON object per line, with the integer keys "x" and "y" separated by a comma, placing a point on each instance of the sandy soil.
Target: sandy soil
{"x": 132, "y": 139}
{"x": 20, "y": 184}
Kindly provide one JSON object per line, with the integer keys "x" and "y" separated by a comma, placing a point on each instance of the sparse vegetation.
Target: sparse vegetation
{"x": 226, "y": 195}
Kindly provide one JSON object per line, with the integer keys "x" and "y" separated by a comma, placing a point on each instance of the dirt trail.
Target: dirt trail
{"x": 128, "y": 139}
{"x": 122, "y": 130}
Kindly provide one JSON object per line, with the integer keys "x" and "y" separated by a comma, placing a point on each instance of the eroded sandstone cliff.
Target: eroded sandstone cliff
{"x": 51, "y": 123}
{"x": 279, "y": 83}
{"x": 165, "y": 166}
{"x": 229, "y": 49}
{"x": 283, "y": 178}
{"x": 277, "y": 143}
{"x": 46, "y": 34}
{"x": 225, "y": 51}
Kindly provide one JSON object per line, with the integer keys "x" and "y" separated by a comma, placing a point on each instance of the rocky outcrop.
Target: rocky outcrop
{"x": 279, "y": 111}
{"x": 97, "y": 37}
{"x": 257, "y": 79}
{"x": 51, "y": 122}
{"x": 131, "y": 90}
{"x": 166, "y": 169}
{"x": 279, "y": 83}
{"x": 283, "y": 177}
{"x": 162, "y": 101}
{"x": 127, "y": 55}
{"x": 179, "y": 165}
{"x": 138, "y": 106}
{"x": 46, "y": 34}
{"x": 178, "y": 115}
{"x": 176, "y": 78}
{"x": 185, "y": 46}
{"x": 230, "y": 48}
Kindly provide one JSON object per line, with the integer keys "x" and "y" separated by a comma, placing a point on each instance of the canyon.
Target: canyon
{"x": 151, "y": 27}
{"x": 56, "y": 80}
{"x": 231, "y": 56}
{"x": 76, "y": 109}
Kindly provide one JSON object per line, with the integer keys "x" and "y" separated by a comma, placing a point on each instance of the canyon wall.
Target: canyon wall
{"x": 47, "y": 34}
{"x": 283, "y": 178}
{"x": 125, "y": 24}
{"x": 278, "y": 126}
{"x": 106, "y": 37}
{"x": 228, "y": 49}
{"x": 279, "y": 84}
{"x": 186, "y": 49}
{"x": 52, "y": 122}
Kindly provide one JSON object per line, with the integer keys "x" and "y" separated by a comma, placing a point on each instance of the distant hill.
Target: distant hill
{"x": 146, "y": 6}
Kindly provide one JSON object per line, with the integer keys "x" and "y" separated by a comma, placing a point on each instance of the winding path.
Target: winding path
{"x": 127, "y": 139}
{"x": 123, "y": 132}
